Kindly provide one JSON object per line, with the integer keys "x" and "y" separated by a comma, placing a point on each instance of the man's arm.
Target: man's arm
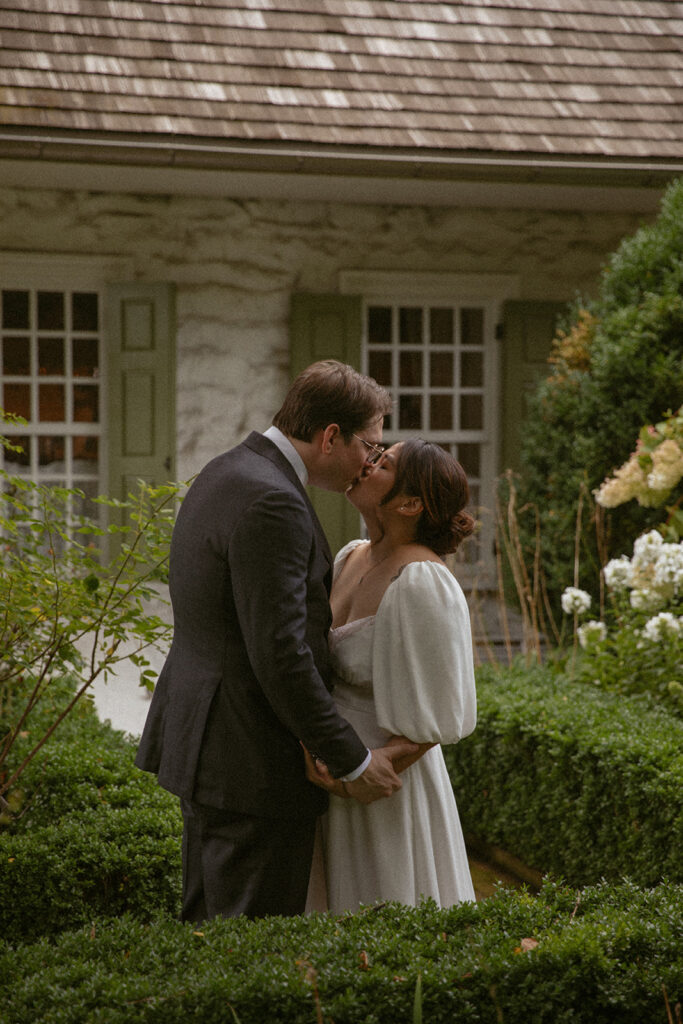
{"x": 379, "y": 780}
{"x": 269, "y": 560}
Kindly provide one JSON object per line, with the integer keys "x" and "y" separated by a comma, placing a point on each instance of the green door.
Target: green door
{"x": 328, "y": 327}
{"x": 528, "y": 331}
{"x": 141, "y": 393}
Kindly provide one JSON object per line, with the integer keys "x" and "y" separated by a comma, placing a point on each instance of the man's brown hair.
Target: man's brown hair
{"x": 331, "y": 392}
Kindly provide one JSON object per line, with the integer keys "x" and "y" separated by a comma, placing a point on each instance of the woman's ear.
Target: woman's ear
{"x": 411, "y": 506}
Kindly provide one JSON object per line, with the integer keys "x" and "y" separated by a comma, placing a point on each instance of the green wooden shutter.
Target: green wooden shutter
{"x": 141, "y": 392}
{"x": 328, "y": 327}
{"x": 528, "y": 330}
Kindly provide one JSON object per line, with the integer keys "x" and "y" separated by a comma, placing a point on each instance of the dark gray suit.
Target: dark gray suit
{"x": 247, "y": 676}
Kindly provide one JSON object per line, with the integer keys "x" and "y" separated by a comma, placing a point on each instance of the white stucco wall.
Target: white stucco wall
{"x": 236, "y": 263}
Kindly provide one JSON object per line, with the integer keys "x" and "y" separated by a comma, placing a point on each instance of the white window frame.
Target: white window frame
{"x": 68, "y": 273}
{"x": 487, "y": 292}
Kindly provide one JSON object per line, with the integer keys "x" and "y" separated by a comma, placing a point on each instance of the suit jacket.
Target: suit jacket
{"x": 247, "y": 675}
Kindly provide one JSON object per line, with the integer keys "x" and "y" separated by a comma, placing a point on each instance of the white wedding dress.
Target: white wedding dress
{"x": 408, "y": 671}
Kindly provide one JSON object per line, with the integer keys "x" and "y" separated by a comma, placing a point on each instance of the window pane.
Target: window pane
{"x": 410, "y": 369}
{"x": 84, "y": 311}
{"x": 379, "y": 366}
{"x": 379, "y": 325}
{"x": 50, "y": 454}
{"x": 440, "y": 412}
{"x": 16, "y": 357}
{"x": 50, "y": 311}
{"x": 16, "y": 398}
{"x": 15, "y": 309}
{"x": 471, "y": 412}
{"x": 471, "y": 326}
{"x": 85, "y": 357}
{"x": 441, "y": 369}
{"x": 16, "y": 460}
{"x": 51, "y": 357}
{"x": 410, "y": 412}
{"x": 441, "y": 326}
{"x": 86, "y": 404}
{"x": 472, "y": 370}
{"x": 51, "y": 408}
{"x": 85, "y": 452}
{"x": 86, "y": 507}
{"x": 469, "y": 457}
{"x": 410, "y": 326}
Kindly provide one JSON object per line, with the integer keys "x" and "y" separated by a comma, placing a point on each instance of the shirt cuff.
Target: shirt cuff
{"x": 359, "y": 770}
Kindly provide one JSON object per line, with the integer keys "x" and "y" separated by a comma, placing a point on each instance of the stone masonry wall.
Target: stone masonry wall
{"x": 236, "y": 263}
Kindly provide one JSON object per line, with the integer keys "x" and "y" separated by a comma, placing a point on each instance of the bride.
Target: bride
{"x": 402, "y": 655}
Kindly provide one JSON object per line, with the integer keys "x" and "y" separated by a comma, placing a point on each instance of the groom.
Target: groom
{"x": 246, "y": 682}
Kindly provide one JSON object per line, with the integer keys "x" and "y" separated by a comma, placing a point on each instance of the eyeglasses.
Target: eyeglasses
{"x": 375, "y": 451}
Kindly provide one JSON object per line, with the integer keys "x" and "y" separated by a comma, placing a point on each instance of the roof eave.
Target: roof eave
{"x": 373, "y": 162}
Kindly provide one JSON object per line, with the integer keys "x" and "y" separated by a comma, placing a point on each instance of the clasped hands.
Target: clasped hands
{"x": 380, "y": 778}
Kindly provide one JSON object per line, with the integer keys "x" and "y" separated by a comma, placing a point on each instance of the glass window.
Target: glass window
{"x": 432, "y": 358}
{"x": 50, "y": 346}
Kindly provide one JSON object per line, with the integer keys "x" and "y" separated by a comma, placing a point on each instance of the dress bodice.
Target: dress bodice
{"x": 351, "y": 652}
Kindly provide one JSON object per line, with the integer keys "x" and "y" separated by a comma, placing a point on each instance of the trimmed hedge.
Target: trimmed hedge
{"x": 96, "y": 837}
{"x": 608, "y": 953}
{"x": 574, "y": 781}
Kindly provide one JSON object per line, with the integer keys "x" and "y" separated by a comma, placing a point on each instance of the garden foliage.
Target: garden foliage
{"x": 67, "y": 607}
{"x": 89, "y": 931}
{"x": 575, "y": 781}
{"x": 95, "y": 836}
{"x": 637, "y": 645}
{"x": 606, "y": 953}
{"x": 616, "y": 365}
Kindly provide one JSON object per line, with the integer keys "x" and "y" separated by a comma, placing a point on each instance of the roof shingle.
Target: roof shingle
{"x": 560, "y": 77}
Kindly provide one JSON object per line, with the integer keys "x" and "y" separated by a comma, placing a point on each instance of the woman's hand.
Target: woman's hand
{"x": 318, "y": 773}
{"x": 405, "y": 761}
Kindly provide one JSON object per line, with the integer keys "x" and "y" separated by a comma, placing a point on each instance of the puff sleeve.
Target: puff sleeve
{"x": 423, "y": 671}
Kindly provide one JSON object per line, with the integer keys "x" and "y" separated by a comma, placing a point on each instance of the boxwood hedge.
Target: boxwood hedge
{"x": 606, "y": 953}
{"x": 94, "y": 836}
{"x": 574, "y": 781}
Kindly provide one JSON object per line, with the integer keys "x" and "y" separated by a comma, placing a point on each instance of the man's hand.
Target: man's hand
{"x": 379, "y": 778}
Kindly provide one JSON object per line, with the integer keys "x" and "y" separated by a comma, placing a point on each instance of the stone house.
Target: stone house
{"x": 198, "y": 197}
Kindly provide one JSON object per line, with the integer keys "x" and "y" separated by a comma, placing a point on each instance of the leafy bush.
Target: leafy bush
{"x": 638, "y": 646}
{"x": 94, "y": 836}
{"x": 617, "y": 364}
{"x": 65, "y": 608}
{"x": 602, "y": 954}
{"x": 572, "y": 780}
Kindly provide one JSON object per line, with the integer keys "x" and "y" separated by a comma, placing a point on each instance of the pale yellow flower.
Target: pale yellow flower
{"x": 667, "y": 466}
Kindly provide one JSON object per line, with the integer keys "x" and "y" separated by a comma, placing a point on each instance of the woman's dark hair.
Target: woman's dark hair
{"x": 331, "y": 392}
{"x": 425, "y": 471}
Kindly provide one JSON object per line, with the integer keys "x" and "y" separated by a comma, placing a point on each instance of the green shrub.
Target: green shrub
{"x": 603, "y": 954}
{"x": 69, "y": 606}
{"x": 617, "y": 365}
{"x": 94, "y": 836}
{"x": 572, "y": 780}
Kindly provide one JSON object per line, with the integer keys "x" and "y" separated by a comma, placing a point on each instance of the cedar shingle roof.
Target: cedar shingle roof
{"x": 588, "y": 78}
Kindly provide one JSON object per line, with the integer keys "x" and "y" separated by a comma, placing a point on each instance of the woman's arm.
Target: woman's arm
{"x": 405, "y": 761}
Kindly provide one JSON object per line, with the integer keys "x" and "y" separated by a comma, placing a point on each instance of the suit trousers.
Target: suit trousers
{"x": 239, "y": 864}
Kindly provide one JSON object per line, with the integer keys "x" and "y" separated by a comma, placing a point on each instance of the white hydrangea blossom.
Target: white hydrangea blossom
{"x": 646, "y": 549}
{"x": 647, "y": 599}
{"x": 618, "y": 573}
{"x": 664, "y": 626}
{"x": 668, "y": 568}
{"x": 575, "y": 601}
{"x": 591, "y": 633}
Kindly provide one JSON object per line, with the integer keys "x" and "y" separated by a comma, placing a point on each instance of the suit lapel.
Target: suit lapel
{"x": 265, "y": 447}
